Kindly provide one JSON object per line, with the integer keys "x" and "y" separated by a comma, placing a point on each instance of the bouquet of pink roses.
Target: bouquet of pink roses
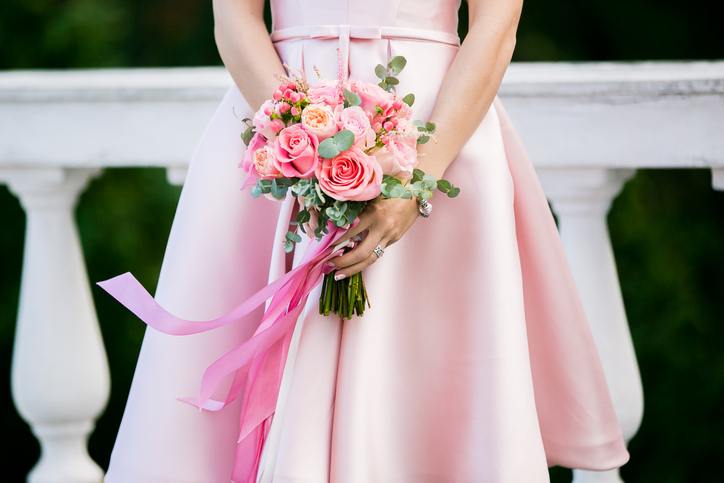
{"x": 337, "y": 146}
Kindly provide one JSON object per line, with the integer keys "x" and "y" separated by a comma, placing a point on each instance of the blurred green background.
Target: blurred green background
{"x": 667, "y": 227}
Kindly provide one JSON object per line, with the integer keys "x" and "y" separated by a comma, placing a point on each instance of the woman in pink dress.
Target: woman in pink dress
{"x": 475, "y": 363}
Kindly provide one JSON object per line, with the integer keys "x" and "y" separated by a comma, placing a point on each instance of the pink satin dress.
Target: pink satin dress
{"x": 475, "y": 363}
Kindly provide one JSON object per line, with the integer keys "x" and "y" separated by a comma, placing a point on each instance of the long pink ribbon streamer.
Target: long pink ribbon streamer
{"x": 258, "y": 363}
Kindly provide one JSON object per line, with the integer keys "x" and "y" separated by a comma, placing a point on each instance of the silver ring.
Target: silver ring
{"x": 378, "y": 251}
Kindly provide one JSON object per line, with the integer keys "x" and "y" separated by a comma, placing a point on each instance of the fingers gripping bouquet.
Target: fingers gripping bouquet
{"x": 337, "y": 146}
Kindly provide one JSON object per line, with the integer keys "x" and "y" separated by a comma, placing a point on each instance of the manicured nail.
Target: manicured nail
{"x": 350, "y": 244}
{"x": 330, "y": 263}
{"x": 357, "y": 238}
{"x": 339, "y": 276}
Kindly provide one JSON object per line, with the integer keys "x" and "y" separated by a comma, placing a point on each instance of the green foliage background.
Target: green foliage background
{"x": 667, "y": 226}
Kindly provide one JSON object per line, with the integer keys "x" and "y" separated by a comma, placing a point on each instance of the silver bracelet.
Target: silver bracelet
{"x": 424, "y": 207}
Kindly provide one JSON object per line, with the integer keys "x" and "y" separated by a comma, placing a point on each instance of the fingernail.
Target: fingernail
{"x": 329, "y": 263}
{"x": 339, "y": 276}
{"x": 350, "y": 244}
{"x": 357, "y": 238}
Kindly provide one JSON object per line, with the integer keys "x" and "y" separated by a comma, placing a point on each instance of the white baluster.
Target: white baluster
{"x": 717, "y": 178}
{"x": 60, "y": 379}
{"x": 581, "y": 199}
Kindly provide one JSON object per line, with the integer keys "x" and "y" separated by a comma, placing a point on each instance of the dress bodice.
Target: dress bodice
{"x": 434, "y": 15}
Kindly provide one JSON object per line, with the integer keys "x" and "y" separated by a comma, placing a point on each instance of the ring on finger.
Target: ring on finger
{"x": 378, "y": 251}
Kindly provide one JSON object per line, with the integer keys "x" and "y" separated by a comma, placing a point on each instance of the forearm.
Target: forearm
{"x": 245, "y": 48}
{"x": 472, "y": 81}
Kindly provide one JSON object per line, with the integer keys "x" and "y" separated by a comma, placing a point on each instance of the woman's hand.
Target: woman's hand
{"x": 385, "y": 221}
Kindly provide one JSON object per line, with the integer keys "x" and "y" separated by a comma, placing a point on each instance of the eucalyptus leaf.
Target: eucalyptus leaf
{"x": 423, "y": 139}
{"x": 248, "y": 134}
{"x": 453, "y": 192}
{"x": 293, "y": 237}
{"x": 396, "y": 64}
{"x": 444, "y": 185}
{"x": 418, "y": 124}
{"x": 430, "y": 127}
{"x": 256, "y": 191}
{"x": 344, "y": 139}
{"x": 288, "y": 246}
{"x": 381, "y": 71}
{"x": 328, "y": 149}
{"x": 409, "y": 99}
{"x": 391, "y": 81}
{"x": 417, "y": 174}
{"x": 352, "y": 98}
{"x": 303, "y": 216}
{"x": 383, "y": 85}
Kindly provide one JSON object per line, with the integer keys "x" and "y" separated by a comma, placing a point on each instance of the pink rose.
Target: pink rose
{"x": 296, "y": 152}
{"x": 373, "y": 95}
{"x": 324, "y": 93}
{"x": 397, "y": 158}
{"x": 320, "y": 120}
{"x": 355, "y": 119}
{"x": 352, "y": 175}
{"x": 262, "y": 123}
{"x": 247, "y": 162}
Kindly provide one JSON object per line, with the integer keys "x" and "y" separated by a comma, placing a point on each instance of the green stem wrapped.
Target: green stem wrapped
{"x": 346, "y": 297}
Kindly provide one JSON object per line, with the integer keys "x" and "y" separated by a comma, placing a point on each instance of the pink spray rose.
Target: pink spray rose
{"x": 351, "y": 176}
{"x": 262, "y": 122}
{"x": 397, "y": 158}
{"x": 296, "y": 152}
{"x": 355, "y": 119}
{"x": 407, "y": 132}
{"x": 320, "y": 120}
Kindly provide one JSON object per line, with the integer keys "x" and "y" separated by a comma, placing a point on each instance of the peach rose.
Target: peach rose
{"x": 265, "y": 163}
{"x": 352, "y": 175}
{"x": 296, "y": 152}
{"x": 397, "y": 158}
{"x": 355, "y": 119}
{"x": 320, "y": 120}
{"x": 247, "y": 162}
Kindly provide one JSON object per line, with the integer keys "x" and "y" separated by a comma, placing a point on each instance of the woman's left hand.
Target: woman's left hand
{"x": 385, "y": 221}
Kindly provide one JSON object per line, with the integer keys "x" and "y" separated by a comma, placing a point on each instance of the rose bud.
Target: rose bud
{"x": 277, "y": 125}
{"x": 388, "y": 126}
{"x": 277, "y": 95}
{"x": 295, "y": 111}
{"x": 284, "y": 107}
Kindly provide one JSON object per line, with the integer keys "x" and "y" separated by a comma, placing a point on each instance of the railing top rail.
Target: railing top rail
{"x": 523, "y": 79}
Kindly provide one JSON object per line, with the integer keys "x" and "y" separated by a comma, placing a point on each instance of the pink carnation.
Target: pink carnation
{"x": 352, "y": 175}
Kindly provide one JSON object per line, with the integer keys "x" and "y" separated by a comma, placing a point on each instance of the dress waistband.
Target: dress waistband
{"x": 362, "y": 32}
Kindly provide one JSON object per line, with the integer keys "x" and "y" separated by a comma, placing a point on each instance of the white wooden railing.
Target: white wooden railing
{"x": 587, "y": 126}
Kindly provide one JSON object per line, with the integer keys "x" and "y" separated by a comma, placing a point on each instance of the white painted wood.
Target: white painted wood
{"x": 587, "y": 126}
{"x": 581, "y": 199}
{"x": 60, "y": 379}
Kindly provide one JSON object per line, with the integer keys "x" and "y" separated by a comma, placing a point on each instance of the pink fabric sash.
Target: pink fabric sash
{"x": 257, "y": 364}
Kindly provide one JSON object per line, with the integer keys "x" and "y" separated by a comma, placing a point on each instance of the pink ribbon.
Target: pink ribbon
{"x": 258, "y": 363}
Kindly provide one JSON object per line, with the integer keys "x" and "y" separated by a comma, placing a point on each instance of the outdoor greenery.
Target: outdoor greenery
{"x": 667, "y": 226}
